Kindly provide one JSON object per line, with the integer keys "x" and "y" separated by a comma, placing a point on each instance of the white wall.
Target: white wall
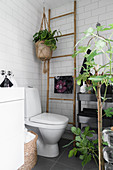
{"x": 19, "y": 20}
{"x": 89, "y": 12}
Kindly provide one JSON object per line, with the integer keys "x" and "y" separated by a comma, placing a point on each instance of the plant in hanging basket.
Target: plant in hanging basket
{"x": 45, "y": 42}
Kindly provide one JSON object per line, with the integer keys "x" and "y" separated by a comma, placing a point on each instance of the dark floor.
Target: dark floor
{"x": 62, "y": 162}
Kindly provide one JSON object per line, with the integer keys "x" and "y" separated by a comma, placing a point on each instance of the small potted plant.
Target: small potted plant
{"x": 45, "y": 42}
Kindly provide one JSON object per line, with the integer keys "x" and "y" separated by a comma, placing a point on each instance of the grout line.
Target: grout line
{"x": 47, "y": 159}
{"x": 58, "y": 159}
{"x": 65, "y": 165}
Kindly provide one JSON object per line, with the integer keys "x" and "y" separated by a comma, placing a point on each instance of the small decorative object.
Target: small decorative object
{"x": 6, "y": 82}
{"x": 7, "y": 79}
{"x": 63, "y": 84}
{"x": 108, "y": 166}
{"x": 108, "y": 136}
{"x": 83, "y": 88}
{"x": 108, "y": 150}
{"x": 108, "y": 154}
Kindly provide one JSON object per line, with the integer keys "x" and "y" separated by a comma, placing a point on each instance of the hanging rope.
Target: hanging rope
{"x": 43, "y": 51}
{"x": 44, "y": 21}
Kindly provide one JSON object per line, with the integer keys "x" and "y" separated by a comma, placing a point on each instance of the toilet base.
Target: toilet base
{"x": 47, "y": 150}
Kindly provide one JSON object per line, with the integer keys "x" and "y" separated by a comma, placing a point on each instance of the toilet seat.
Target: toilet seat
{"x": 49, "y": 118}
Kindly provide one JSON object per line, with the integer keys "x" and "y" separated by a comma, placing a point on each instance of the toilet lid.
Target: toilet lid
{"x": 49, "y": 118}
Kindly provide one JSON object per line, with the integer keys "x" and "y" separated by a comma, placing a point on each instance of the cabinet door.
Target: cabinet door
{"x": 12, "y": 153}
{"x": 11, "y": 119}
{"x": 11, "y": 135}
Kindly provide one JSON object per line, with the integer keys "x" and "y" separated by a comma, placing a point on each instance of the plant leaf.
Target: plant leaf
{"x": 109, "y": 112}
{"x": 81, "y": 157}
{"x": 78, "y": 138}
{"x": 100, "y": 44}
{"x": 89, "y": 31}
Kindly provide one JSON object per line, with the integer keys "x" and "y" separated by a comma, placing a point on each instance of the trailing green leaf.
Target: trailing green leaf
{"x": 109, "y": 112}
{"x": 48, "y": 37}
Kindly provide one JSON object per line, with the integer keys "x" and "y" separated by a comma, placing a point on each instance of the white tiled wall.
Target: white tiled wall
{"x": 19, "y": 20}
{"x": 88, "y": 13}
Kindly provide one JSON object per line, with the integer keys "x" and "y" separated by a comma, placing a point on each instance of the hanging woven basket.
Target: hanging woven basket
{"x": 43, "y": 52}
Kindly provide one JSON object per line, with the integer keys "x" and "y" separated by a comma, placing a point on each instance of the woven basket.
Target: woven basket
{"x": 43, "y": 52}
{"x": 30, "y": 154}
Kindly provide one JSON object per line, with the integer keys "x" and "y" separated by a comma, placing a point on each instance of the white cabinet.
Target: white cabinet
{"x": 11, "y": 128}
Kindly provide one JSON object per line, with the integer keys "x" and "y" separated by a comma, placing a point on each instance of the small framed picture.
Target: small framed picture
{"x": 63, "y": 84}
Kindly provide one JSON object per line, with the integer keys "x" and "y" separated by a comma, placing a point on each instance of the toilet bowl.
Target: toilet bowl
{"x": 50, "y": 127}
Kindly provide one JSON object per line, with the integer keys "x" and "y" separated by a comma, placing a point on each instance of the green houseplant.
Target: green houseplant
{"x": 48, "y": 37}
{"x": 45, "y": 43}
{"x": 97, "y": 79}
{"x": 87, "y": 147}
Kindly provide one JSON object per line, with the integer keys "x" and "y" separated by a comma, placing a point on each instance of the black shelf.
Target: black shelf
{"x": 89, "y": 116}
{"x": 92, "y": 97}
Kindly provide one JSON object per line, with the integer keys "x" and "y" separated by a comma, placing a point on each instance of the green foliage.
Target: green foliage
{"x": 109, "y": 112}
{"x": 86, "y": 147}
{"x": 47, "y": 36}
{"x": 99, "y": 43}
{"x": 83, "y": 77}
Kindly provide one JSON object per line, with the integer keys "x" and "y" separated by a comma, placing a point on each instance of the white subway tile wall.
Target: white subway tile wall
{"x": 88, "y": 13}
{"x": 19, "y": 20}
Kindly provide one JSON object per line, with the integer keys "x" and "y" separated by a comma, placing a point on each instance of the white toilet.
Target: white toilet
{"x": 50, "y": 127}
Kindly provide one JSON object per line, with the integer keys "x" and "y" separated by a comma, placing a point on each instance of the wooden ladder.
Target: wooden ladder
{"x": 67, "y": 55}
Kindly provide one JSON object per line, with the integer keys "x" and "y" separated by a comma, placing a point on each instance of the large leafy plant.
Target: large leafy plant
{"x": 97, "y": 79}
{"x": 87, "y": 148}
{"x": 48, "y": 37}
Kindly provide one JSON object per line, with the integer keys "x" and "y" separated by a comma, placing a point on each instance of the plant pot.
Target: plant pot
{"x": 43, "y": 52}
{"x": 108, "y": 136}
{"x": 108, "y": 154}
{"x": 108, "y": 166}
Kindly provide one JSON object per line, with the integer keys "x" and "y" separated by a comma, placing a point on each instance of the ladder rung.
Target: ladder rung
{"x": 62, "y": 15}
{"x": 70, "y": 123}
{"x": 60, "y": 99}
{"x": 67, "y": 55}
{"x": 63, "y": 35}
{"x": 51, "y": 77}
{"x": 56, "y": 76}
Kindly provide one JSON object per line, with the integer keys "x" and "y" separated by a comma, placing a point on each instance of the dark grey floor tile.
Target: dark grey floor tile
{"x": 61, "y": 144}
{"x": 91, "y": 165}
{"x": 75, "y": 162}
{"x": 58, "y": 166}
{"x": 62, "y": 161}
{"x": 43, "y": 164}
{"x": 72, "y": 162}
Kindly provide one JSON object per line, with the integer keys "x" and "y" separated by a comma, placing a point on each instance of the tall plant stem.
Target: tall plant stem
{"x": 110, "y": 58}
{"x": 101, "y": 164}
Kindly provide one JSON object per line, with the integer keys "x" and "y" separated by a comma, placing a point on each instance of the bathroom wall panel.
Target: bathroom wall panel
{"x": 19, "y": 20}
{"x": 88, "y": 14}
